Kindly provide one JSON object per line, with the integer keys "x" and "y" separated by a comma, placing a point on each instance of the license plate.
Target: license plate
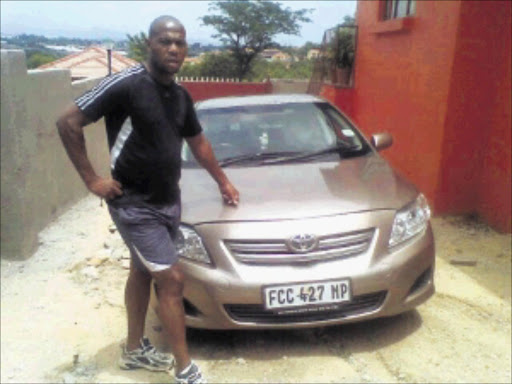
{"x": 306, "y": 294}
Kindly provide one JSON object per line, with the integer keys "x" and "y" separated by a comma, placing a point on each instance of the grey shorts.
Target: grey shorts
{"x": 149, "y": 233}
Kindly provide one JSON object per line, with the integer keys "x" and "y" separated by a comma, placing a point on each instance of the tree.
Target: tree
{"x": 345, "y": 50}
{"x": 212, "y": 65}
{"x": 37, "y": 58}
{"x": 341, "y": 51}
{"x": 218, "y": 65}
{"x": 348, "y": 21}
{"x": 190, "y": 70}
{"x": 247, "y": 28}
{"x": 137, "y": 47}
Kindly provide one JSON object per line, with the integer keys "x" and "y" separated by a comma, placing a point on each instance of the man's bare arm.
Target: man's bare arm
{"x": 203, "y": 152}
{"x": 70, "y": 126}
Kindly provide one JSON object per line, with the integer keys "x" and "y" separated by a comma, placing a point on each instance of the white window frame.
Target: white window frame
{"x": 394, "y": 9}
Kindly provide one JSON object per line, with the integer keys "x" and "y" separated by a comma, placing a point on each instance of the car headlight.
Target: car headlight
{"x": 410, "y": 221}
{"x": 190, "y": 246}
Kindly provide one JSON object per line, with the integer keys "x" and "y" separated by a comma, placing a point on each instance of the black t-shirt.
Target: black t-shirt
{"x": 146, "y": 123}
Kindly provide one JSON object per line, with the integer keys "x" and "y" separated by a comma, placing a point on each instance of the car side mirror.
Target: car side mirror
{"x": 382, "y": 141}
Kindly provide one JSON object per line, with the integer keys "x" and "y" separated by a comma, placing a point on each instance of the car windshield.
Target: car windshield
{"x": 267, "y": 134}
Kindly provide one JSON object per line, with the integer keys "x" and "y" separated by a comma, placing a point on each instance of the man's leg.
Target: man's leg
{"x": 138, "y": 351}
{"x": 149, "y": 233}
{"x": 136, "y": 298}
{"x": 171, "y": 312}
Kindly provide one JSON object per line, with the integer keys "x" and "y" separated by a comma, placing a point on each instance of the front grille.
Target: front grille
{"x": 277, "y": 252}
{"x": 256, "y": 313}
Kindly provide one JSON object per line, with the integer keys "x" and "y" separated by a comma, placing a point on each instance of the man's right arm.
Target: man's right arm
{"x": 70, "y": 126}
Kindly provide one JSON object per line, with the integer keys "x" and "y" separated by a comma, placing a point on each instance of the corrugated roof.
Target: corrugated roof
{"x": 92, "y": 62}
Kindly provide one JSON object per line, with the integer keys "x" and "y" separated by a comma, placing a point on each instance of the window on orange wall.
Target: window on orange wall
{"x": 399, "y": 8}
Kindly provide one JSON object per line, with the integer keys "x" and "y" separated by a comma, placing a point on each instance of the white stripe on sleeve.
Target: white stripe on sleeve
{"x": 86, "y": 100}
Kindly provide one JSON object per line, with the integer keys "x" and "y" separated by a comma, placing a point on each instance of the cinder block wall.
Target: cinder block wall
{"x": 38, "y": 181}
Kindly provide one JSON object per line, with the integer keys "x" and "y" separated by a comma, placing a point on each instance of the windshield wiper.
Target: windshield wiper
{"x": 341, "y": 146}
{"x": 258, "y": 157}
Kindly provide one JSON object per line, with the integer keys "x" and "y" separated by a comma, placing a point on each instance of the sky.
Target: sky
{"x": 115, "y": 19}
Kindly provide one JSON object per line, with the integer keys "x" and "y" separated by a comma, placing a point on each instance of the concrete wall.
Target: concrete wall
{"x": 38, "y": 181}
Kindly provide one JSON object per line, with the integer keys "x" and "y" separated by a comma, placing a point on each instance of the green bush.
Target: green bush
{"x": 36, "y": 59}
{"x": 223, "y": 65}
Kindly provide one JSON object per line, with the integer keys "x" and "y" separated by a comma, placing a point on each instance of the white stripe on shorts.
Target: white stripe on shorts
{"x": 152, "y": 267}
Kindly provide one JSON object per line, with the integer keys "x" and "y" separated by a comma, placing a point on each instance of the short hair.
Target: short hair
{"x": 159, "y": 21}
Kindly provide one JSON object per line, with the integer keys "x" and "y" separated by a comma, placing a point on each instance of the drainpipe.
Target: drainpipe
{"x": 109, "y": 46}
{"x": 109, "y": 56}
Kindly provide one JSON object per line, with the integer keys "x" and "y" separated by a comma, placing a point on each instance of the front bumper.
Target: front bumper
{"x": 384, "y": 282}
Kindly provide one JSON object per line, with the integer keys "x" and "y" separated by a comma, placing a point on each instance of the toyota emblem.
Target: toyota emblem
{"x": 302, "y": 243}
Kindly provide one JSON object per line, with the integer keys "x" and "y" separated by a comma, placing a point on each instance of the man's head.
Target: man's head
{"x": 167, "y": 45}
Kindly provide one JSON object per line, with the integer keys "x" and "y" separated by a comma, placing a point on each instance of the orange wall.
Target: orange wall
{"x": 476, "y": 77}
{"x": 439, "y": 82}
{"x": 402, "y": 84}
{"x": 343, "y": 98}
{"x": 496, "y": 172}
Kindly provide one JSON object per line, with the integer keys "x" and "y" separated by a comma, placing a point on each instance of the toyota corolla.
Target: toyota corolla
{"x": 326, "y": 231}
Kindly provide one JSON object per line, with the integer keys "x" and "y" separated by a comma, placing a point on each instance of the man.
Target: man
{"x": 147, "y": 115}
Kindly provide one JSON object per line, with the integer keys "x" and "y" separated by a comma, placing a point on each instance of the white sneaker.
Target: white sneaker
{"x": 190, "y": 375}
{"x": 146, "y": 357}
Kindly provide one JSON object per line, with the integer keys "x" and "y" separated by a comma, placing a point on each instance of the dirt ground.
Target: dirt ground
{"x": 63, "y": 320}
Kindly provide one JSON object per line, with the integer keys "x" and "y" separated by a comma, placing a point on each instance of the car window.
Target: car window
{"x": 342, "y": 128}
{"x": 260, "y": 129}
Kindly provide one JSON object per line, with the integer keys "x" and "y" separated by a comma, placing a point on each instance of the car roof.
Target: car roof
{"x": 239, "y": 101}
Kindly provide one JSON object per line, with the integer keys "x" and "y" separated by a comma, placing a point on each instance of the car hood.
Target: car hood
{"x": 299, "y": 190}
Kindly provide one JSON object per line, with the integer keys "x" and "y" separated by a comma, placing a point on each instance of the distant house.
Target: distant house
{"x": 313, "y": 53}
{"x": 281, "y": 56}
{"x": 92, "y": 62}
{"x": 193, "y": 60}
{"x": 275, "y": 55}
